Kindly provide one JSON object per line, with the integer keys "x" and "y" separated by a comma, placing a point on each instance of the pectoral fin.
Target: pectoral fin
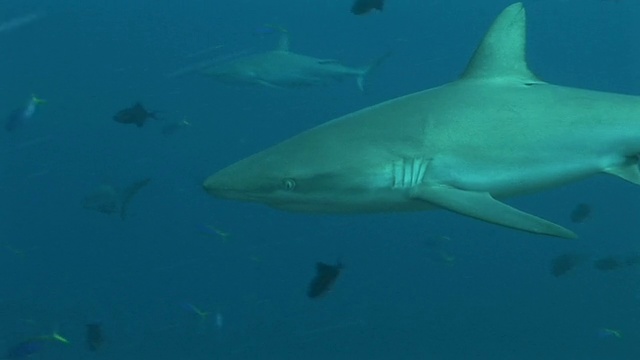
{"x": 482, "y": 206}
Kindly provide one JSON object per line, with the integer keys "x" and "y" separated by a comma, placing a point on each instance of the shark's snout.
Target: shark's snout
{"x": 219, "y": 186}
{"x": 228, "y": 183}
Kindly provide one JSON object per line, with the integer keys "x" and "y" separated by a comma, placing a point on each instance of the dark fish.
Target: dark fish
{"x": 326, "y": 276}
{"x": 580, "y": 213}
{"x": 361, "y": 7}
{"x": 25, "y": 349}
{"x": 136, "y": 114}
{"x": 94, "y": 336}
{"x": 564, "y": 263}
{"x": 608, "y": 263}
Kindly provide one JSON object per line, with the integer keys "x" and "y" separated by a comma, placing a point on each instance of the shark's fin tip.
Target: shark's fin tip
{"x": 483, "y": 206}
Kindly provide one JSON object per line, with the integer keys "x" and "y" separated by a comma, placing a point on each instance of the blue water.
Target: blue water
{"x": 62, "y": 266}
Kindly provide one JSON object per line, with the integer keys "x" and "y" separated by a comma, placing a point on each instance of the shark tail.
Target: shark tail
{"x": 365, "y": 71}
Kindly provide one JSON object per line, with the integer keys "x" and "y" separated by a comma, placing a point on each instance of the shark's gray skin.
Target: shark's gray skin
{"x": 497, "y": 132}
{"x": 281, "y": 68}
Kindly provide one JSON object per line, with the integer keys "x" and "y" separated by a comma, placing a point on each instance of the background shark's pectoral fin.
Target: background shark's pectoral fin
{"x": 629, "y": 172}
{"x": 483, "y": 206}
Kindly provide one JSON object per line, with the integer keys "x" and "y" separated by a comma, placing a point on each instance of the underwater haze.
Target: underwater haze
{"x": 105, "y": 223}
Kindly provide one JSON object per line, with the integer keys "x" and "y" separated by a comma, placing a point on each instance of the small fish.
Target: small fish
{"x": 193, "y": 309}
{"x": 608, "y": 263}
{"x": 18, "y": 117}
{"x": 326, "y": 276}
{"x": 564, "y": 263}
{"x": 361, "y": 7}
{"x": 606, "y": 333}
{"x": 25, "y": 349}
{"x": 213, "y": 231}
{"x": 135, "y": 114}
{"x": 580, "y": 213}
{"x": 94, "y": 336}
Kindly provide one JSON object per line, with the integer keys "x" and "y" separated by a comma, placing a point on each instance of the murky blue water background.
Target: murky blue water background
{"x": 62, "y": 266}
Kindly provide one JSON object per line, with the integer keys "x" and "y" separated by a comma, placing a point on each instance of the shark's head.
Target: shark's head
{"x": 311, "y": 177}
{"x": 252, "y": 180}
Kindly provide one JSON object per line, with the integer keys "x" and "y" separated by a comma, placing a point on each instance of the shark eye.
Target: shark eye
{"x": 289, "y": 184}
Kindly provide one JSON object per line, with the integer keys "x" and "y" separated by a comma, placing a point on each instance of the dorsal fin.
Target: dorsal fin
{"x": 502, "y": 53}
{"x": 283, "y": 43}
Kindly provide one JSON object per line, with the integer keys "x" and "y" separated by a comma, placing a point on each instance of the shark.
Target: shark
{"x": 496, "y": 132}
{"x": 282, "y": 68}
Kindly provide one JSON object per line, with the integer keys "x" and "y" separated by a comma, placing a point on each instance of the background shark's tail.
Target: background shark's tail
{"x": 365, "y": 71}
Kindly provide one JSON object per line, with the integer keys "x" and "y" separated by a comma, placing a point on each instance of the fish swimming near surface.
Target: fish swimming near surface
{"x": 361, "y": 7}
{"x": 281, "y": 68}
{"x": 326, "y": 276}
{"x": 109, "y": 200}
{"x": 495, "y": 133}
{"x": 135, "y": 114}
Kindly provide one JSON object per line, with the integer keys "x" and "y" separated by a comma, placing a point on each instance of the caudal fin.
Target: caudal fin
{"x": 367, "y": 70}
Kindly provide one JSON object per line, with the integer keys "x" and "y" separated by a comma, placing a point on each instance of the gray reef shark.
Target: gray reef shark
{"x": 281, "y": 68}
{"x": 497, "y": 132}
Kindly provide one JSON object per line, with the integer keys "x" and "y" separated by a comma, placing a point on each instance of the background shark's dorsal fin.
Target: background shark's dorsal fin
{"x": 283, "y": 43}
{"x": 501, "y": 53}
